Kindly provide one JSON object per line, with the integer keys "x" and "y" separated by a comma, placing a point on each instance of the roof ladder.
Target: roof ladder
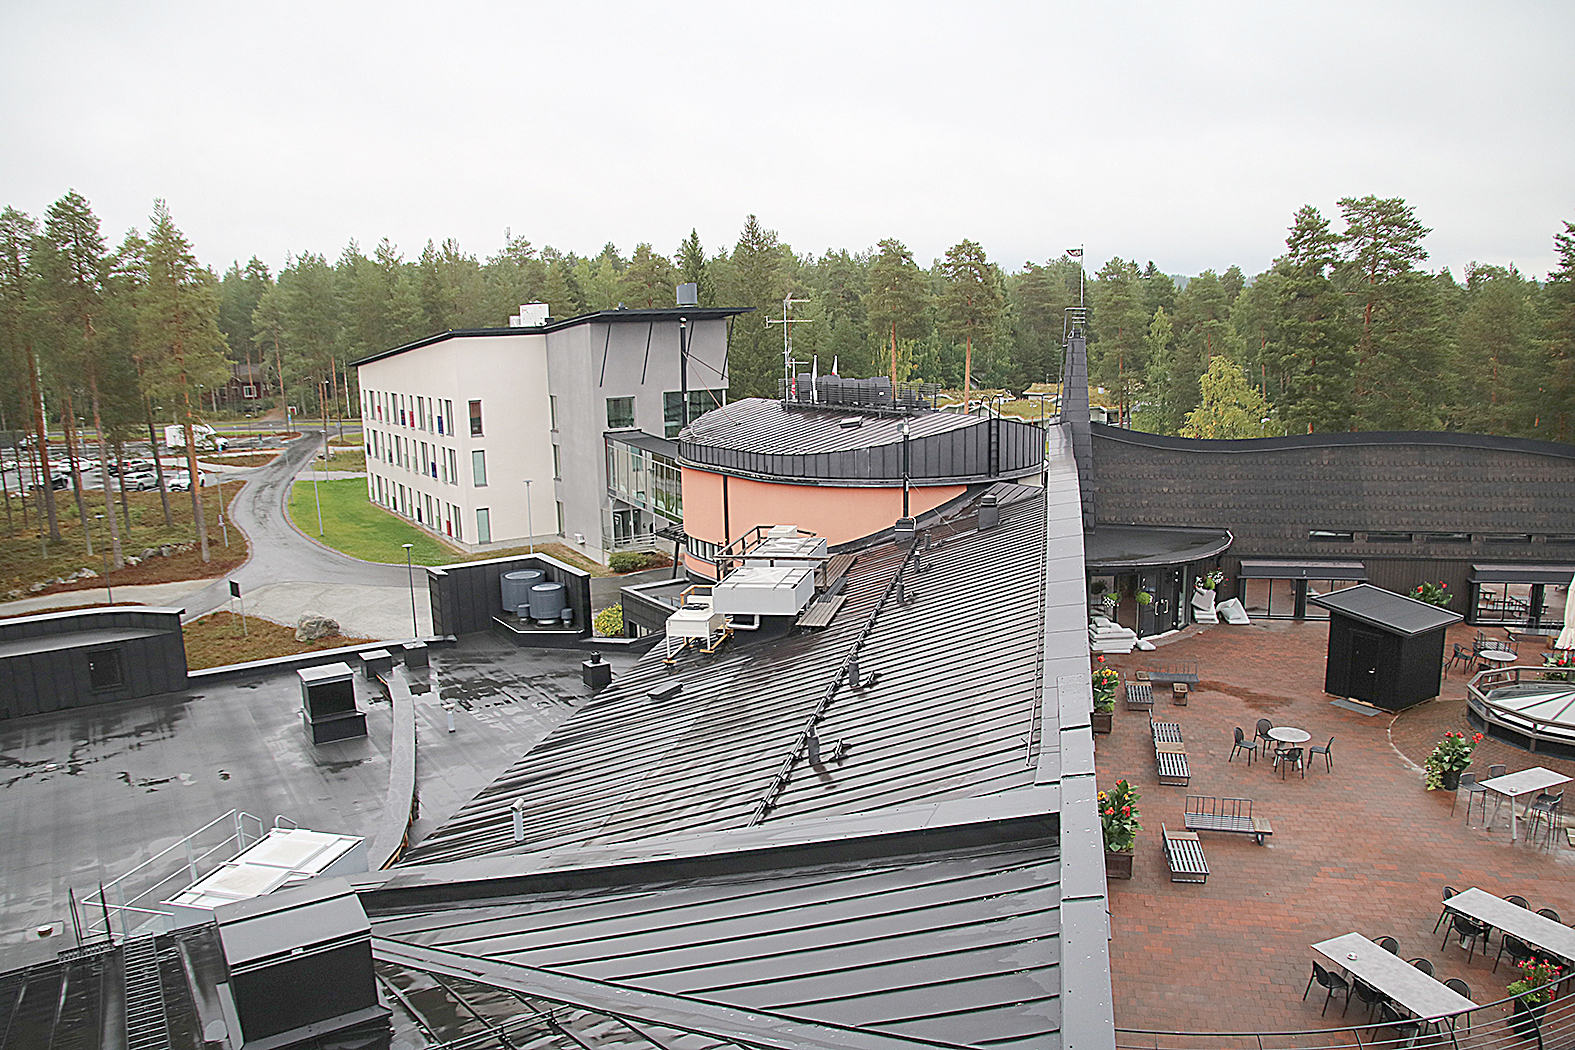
{"x": 146, "y": 1025}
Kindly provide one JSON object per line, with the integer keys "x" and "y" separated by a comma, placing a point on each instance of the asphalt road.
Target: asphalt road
{"x": 281, "y": 556}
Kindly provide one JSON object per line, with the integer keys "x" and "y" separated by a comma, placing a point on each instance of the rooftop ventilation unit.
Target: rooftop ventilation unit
{"x": 531, "y": 315}
{"x": 689, "y": 294}
{"x": 762, "y": 590}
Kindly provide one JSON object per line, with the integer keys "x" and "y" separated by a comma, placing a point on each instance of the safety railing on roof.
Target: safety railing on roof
{"x": 130, "y": 904}
{"x": 1512, "y": 722}
{"x": 1502, "y": 1025}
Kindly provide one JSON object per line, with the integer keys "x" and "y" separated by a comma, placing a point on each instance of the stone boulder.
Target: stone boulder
{"x": 312, "y": 626}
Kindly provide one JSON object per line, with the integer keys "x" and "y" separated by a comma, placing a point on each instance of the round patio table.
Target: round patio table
{"x": 1288, "y": 735}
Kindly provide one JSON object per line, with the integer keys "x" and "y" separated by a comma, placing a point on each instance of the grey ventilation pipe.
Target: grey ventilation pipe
{"x": 518, "y": 806}
{"x": 989, "y": 512}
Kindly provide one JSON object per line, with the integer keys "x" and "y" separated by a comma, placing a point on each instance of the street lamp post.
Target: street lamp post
{"x": 530, "y": 525}
{"x": 410, "y": 574}
{"x": 105, "y": 552}
{"x": 315, "y": 494}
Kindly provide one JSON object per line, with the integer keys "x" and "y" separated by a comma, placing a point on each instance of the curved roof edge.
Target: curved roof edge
{"x": 698, "y": 313}
{"x": 1335, "y": 439}
{"x": 914, "y": 481}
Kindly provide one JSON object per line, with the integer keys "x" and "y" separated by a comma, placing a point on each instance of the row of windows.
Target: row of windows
{"x": 429, "y": 460}
{"x": 423, "y": 508}
{"x": 1344, "y": 536}
{"x": 434, "y": 415}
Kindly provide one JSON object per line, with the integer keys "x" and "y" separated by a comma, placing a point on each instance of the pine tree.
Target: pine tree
{"x": 649, "y": 280}
{"x": 897, "y": 304}
{"x": 972, "y": 301}
{"x": 17, "y": 321}
{"x": 760, "y": 280}
{"x": 179, "y": 328}
{"x": 1557, "y": 404}
{"x": 693, "y": 269}
{"x": 74, "y": 265}
{"x": 1120, "y": 351}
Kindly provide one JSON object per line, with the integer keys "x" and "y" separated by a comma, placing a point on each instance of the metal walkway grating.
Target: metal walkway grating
{"x": 146, "y": 1028}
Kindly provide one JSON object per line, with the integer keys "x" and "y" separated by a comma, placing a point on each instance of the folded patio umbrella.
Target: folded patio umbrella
{"x": 1567, "y": 636}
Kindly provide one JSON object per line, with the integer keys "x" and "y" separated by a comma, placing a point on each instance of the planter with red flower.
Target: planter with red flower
{"x": 1118, "y": 817}
{"x": 1534, "y": 990}
{"x": 1449, "y": 759}
{"x": 1105, "y": 680}
{"x": 1432, "y": 593}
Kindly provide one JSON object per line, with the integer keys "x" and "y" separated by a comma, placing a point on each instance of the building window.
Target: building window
{"x": 453, "y": 468}
{"x": 478, "y": 468}
{"x": 104, "y": 669}
{"x": 700, "y": 402}
{"x": 1514, "y": 537}
{"x": 1562, "y": 537}
{"x": 620, "y": 413}
{"x": 557, "y": 463}
{"x": 1330, "y": 536}
{"x": 552, "y": 410}
{"x": 701, "y": 548}
{"x": 1447, "y": 537}
{"x": 475, "y": 419}
{"x": 483, "y": 525}
{"x": 459, "y": 524}
{"x": 1388, "y": 537}
{"x": 561, "y": 531}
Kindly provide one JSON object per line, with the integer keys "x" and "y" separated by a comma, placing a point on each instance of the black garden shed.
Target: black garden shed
{"x": 1384, "y": 648}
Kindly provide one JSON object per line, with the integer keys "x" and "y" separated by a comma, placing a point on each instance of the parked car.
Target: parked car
{"x": 141, "y": 480}
{"x": 58, "y": 479}
{"x": 177, "y": 482}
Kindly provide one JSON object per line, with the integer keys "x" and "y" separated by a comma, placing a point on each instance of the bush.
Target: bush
{"x": 630, "y": 561}
{"x": 609, "y": 622}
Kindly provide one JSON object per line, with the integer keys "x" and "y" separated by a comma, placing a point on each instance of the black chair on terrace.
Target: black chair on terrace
{"x": 1369, "y": 995}
{"x": 1264, "y": 725}
{"x": 1291, "y": 756}
{"x": 1390, "y": 945}
{"x": 1327, "y": 751}
{"x": 1449, "y": 891}
{"x": 1470, "y": 932}
{"x": 1468, "y": 784}
{"x": 1333, "y": 982}
{"x": 1519, "y": 902}
{"x": 1518, "y": 950}
{"x": 1455, "y": 984}
{"x": 1546, "y": 807}
{"x": 1423, "y": 965}
{"x": 1549, "y": 913}
{"x": 1462, "y": 656}
{"x": 1406, "y": 1028}
{"x": 1242, "y": 745}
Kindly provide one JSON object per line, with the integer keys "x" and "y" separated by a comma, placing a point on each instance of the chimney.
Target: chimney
{"x": 989, "y": 512}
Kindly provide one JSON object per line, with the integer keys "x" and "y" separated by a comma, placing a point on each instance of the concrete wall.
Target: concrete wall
{"x": 44, "y": 659}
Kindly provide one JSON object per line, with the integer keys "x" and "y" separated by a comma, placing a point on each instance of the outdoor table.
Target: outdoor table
{"x": 1539, "y": 931}
{"x": 1524, "y": 782}
{"x": 1490, "y": 657}
{"x": 1403, "y": 983}
{"x": 1289, "y": 735}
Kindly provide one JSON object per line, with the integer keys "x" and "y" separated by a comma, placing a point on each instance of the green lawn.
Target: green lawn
{"x": 360, "y": 529}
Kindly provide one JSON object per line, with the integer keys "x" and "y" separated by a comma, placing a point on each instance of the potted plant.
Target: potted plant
{"x": 1533, "y": 991}
{"x": 1145, "y": 598}
{"x": 1449, "y": 759}
{"x": 1118, "y": 815}
{"x": 1105, "y": 681}
{"x": 1432, "y": 593}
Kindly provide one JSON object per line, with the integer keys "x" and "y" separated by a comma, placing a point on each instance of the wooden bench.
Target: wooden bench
{"x": 1140, "y": 695}
{"x": 1170, "y": 754}
{"x": 1184, "y": 855}
{"x": 1233, "y": 815}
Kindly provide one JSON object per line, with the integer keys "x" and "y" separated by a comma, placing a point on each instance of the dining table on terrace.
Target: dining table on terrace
{"x": 1523, "y": 924}
{"x": 1521, "y": 782}
{"x": 1404, "y": 984}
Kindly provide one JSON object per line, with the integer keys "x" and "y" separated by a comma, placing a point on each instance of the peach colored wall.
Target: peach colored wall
{"x": 836, "y": 512}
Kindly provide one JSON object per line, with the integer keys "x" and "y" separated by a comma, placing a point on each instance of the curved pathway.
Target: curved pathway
{"x": 288, "y": 574}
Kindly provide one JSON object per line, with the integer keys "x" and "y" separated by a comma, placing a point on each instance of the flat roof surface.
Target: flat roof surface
{"x": 1392, "y": 612}
{"x": 48, "y": 643}
{"x": 92, "y": 792}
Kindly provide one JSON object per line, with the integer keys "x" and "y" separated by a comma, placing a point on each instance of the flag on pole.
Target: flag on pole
{"x": 1076, "y": 253}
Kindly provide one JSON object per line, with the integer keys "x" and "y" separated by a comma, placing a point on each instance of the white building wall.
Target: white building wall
{"x": 508, "y": 375}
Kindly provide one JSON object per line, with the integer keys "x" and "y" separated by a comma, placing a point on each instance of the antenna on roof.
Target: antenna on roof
{"x": 787, "y": 322}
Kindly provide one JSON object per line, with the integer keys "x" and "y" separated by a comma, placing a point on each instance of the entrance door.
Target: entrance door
{"x": 1168, "y": 613}
{"x": 1367, "y": 651}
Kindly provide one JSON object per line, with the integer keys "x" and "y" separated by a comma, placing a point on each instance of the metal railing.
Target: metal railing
{"x": 1500, "y": 1025}
{"x": 130, "y": 905}
{"x": 1504, "y": 722}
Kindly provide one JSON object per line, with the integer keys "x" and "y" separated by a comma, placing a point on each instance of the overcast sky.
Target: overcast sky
{"x": 1186, "y": 133}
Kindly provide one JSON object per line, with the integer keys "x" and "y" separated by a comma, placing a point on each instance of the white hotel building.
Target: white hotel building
{"x": 547, "y": 429}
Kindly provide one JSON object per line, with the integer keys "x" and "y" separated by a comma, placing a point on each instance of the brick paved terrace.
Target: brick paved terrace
{"x": 1364, "y": 848}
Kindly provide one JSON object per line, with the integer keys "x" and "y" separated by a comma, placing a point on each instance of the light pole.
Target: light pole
{"x": 224, "y": 525}
{"x": 105, "y": 552}
{"x": 315, "y": 494}
{"x": 410, "y": 574}
{"x": 530, "y": 525}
